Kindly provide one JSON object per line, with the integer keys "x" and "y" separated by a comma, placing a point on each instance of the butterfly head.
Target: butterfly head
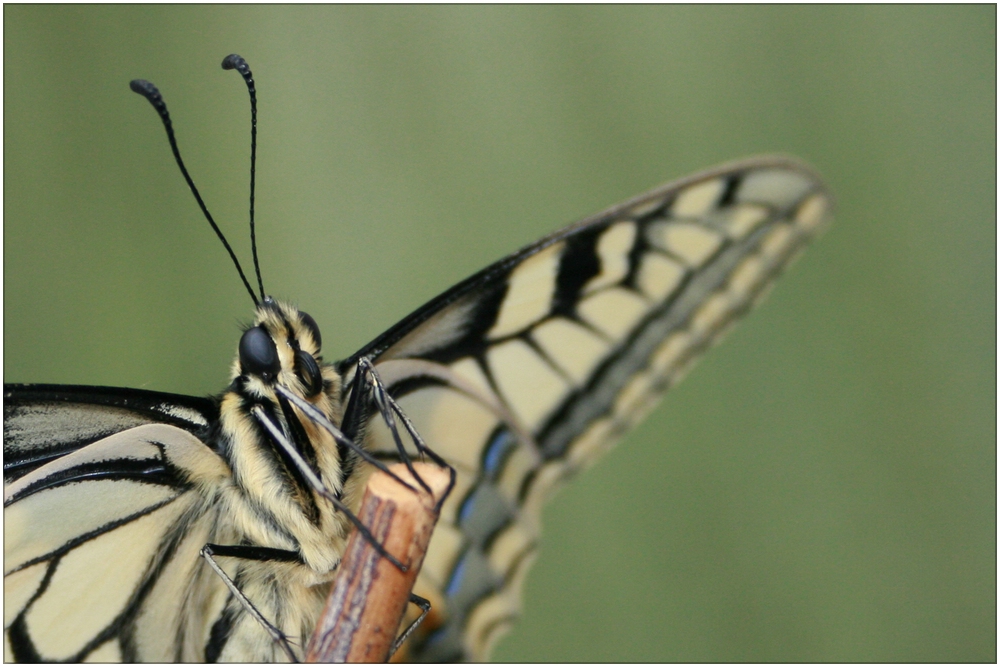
{"x": 282, "y": 346}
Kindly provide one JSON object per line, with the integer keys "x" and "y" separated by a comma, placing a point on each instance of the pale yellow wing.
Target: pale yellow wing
{"x": 104, "y": 517}
{"x": 522, "y": 374}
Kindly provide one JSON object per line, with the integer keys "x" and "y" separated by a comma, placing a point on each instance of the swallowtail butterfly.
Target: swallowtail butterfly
{"x": 518, "y": 376}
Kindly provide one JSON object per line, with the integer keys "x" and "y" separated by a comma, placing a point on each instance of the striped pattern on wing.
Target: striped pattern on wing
{"x": 522, "y": 374}
{"x": 94, "y": 477}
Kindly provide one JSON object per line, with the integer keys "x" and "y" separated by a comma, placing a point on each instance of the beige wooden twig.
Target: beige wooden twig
{"x": 369, "y": 595}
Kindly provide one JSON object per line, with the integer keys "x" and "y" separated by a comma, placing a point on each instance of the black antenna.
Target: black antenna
{"x": 150, "y": 92}
{"x": 236, "y": 62}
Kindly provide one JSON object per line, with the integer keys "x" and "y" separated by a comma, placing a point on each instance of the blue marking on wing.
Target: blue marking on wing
{"x": 455, "y": 583}
{"x": 496, "y": 451}
{"x": 468, "y": 506}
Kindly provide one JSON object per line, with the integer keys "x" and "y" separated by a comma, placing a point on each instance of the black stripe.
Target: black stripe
{"x": 728, "y": 197}
{"x": 220, "y": 632}
{"x": 21, "y": 646}
{"x": 123, "y": 626}
{"x": 302, "y": 443}
{"x": 583, "y": 407}
{"x": 481, "y": 318}
{"x": 640, "y": 246}
{"x": 255, "y": 553}
{"x": 147, "y": 403}
{"x": 147, "y": 471}
{"x": 80, "y": 539}
{"x": 18, "y": 462}
{"x": 286, "y": 470}
{"x": 577, "y": 265}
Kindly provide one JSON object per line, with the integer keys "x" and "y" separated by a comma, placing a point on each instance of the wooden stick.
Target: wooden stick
{"x": 369, "y": 594}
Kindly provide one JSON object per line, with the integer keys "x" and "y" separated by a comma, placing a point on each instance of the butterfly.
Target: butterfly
{"x": 144, "y": 526}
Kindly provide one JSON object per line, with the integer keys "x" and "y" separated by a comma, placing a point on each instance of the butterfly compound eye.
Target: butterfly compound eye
{"x": 310, "y": 323}
{"x": 309, "y": 372}
{"x": 258, "y": 354}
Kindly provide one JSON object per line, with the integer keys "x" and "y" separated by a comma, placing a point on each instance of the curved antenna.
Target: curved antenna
{"x": 150, "y": 92}
{"x": 236, "y": 62}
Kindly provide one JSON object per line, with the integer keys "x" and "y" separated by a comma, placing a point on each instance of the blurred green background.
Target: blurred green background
{"x": 821, "y": 488}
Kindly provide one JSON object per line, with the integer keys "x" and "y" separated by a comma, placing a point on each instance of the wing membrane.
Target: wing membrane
{"x": 97, "y": 482}
{"x": 523, "y": 373}
{"x": 44, "y": 422}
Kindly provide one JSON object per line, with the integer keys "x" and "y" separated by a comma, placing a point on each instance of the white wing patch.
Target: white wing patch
{"x": 659, "y": 276}
{"x": 690, "y": 242}
{"x": 181, "y": 412}
{"x": 740, "y": 220}
{"x": 612, "y": 253}
{"x": 109, "y": 651}
{"x": 575, "y": 349}
{"x": 469, "y": 370}
{"x": 530, "y": 386}
{"x": 529, "y": 292}
{"x": 82, "y": 597}
{"x": 613, "y": 312}
{"x": 40, "y": 524}
{"x": 775, "y": 187}
{"x": 699, "y": 199}
{"x": 454, "y": 419}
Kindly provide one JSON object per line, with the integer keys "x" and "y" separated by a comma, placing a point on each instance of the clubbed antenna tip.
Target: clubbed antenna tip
{"x": 233, "y": 61}
{"x": 237, "y": 62}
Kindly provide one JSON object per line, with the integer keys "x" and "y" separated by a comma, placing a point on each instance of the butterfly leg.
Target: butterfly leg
{"x": 260, "y": 554}
{"x": 278, "y": 436}
{"x": 389, "y": 410}
{"x": 339, "y": 436}
{"x": 363, "y": 389}
{"x": 356, "y": 413}
{"x": 425, "y": 608}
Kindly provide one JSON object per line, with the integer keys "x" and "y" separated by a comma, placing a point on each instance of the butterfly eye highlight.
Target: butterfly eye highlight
{"x": 309, "y": 372}
{"x": 310, "y": 323}
{"x": 258, "y": 354}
